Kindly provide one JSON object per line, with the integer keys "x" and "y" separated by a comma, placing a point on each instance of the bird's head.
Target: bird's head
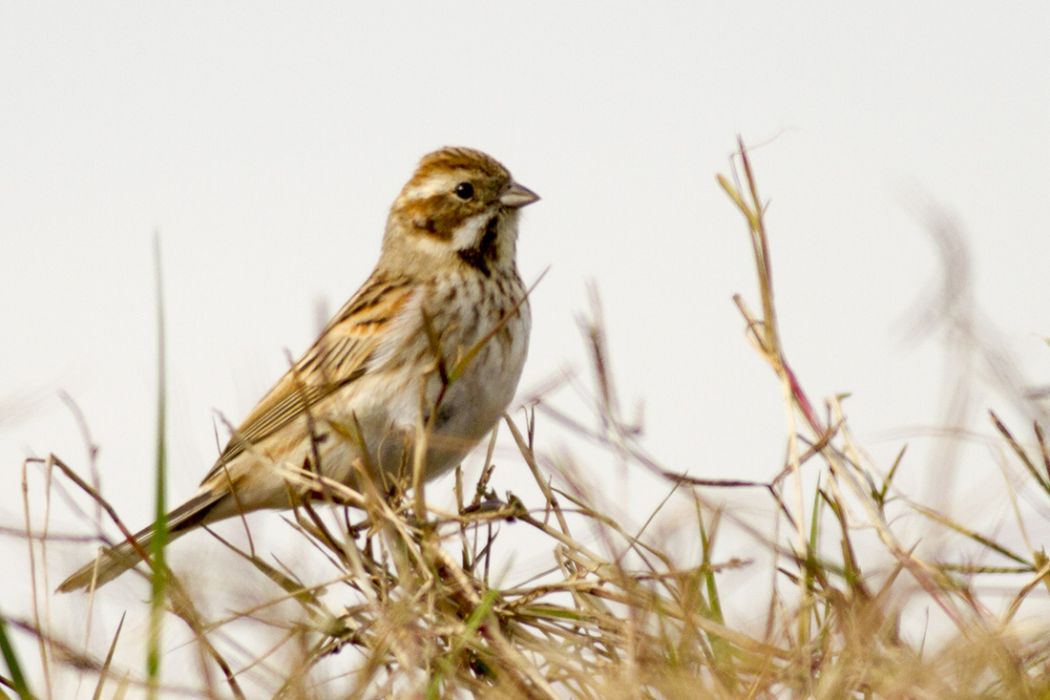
{"x": 460, "y": 207}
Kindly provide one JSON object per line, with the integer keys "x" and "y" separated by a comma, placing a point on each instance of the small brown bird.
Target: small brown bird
{"x": 437, "y": 335}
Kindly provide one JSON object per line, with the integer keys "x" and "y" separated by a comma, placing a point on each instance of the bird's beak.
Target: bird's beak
{"x": 516, "y": 196}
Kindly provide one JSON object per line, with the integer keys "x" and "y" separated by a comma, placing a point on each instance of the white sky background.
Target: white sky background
{"x": 266, "y": 141}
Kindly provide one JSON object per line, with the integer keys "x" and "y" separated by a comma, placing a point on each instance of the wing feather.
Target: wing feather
{"x": 341, "y": 355}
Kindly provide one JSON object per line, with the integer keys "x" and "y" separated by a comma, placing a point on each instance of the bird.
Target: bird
{"x": 436, "y": 336}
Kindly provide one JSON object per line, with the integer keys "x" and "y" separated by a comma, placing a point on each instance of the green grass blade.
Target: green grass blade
{"x": 445, "y": 666}
{"x": 720, "y": 648}
{"x": 18, "y": 679}
{"x": 160, "y": 527}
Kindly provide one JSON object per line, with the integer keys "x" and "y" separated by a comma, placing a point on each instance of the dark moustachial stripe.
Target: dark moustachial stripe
{"x": 487, "y": 246}
{"x": 475, "y": 258}
{"x": 485, "y": 252}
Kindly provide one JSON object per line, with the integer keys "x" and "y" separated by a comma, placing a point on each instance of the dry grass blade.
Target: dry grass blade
{"x": 1022, "y": 455}
{"x": 104, "y": 671}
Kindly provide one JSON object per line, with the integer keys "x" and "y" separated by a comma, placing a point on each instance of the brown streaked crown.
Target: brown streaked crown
{"x": 452, "y": 158}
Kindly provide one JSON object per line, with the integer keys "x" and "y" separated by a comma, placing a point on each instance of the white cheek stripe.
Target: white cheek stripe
{"x": 469, "y": 234}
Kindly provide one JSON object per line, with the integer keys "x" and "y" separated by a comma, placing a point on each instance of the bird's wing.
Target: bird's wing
{"x": 340, "y": 356}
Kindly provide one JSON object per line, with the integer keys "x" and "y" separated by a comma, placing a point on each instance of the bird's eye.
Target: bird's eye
{"x": 464, "y": 190}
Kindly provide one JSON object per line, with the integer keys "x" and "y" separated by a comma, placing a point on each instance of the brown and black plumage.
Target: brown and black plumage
{"x": 445, "y": 292}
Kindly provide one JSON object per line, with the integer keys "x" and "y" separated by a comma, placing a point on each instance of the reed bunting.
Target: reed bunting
{"x": 436, "y": 337}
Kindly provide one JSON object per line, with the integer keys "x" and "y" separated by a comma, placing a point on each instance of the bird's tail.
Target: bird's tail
{"x": 111, "y": 562}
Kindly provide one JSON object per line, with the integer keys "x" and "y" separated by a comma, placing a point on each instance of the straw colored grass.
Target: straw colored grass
{"x": 415, "y": 609}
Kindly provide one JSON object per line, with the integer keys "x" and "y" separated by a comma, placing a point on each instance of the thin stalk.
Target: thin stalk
{"x": 160, "y": 527}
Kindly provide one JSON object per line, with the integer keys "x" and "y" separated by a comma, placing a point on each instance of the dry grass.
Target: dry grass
{"x": 414, "y": 611}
